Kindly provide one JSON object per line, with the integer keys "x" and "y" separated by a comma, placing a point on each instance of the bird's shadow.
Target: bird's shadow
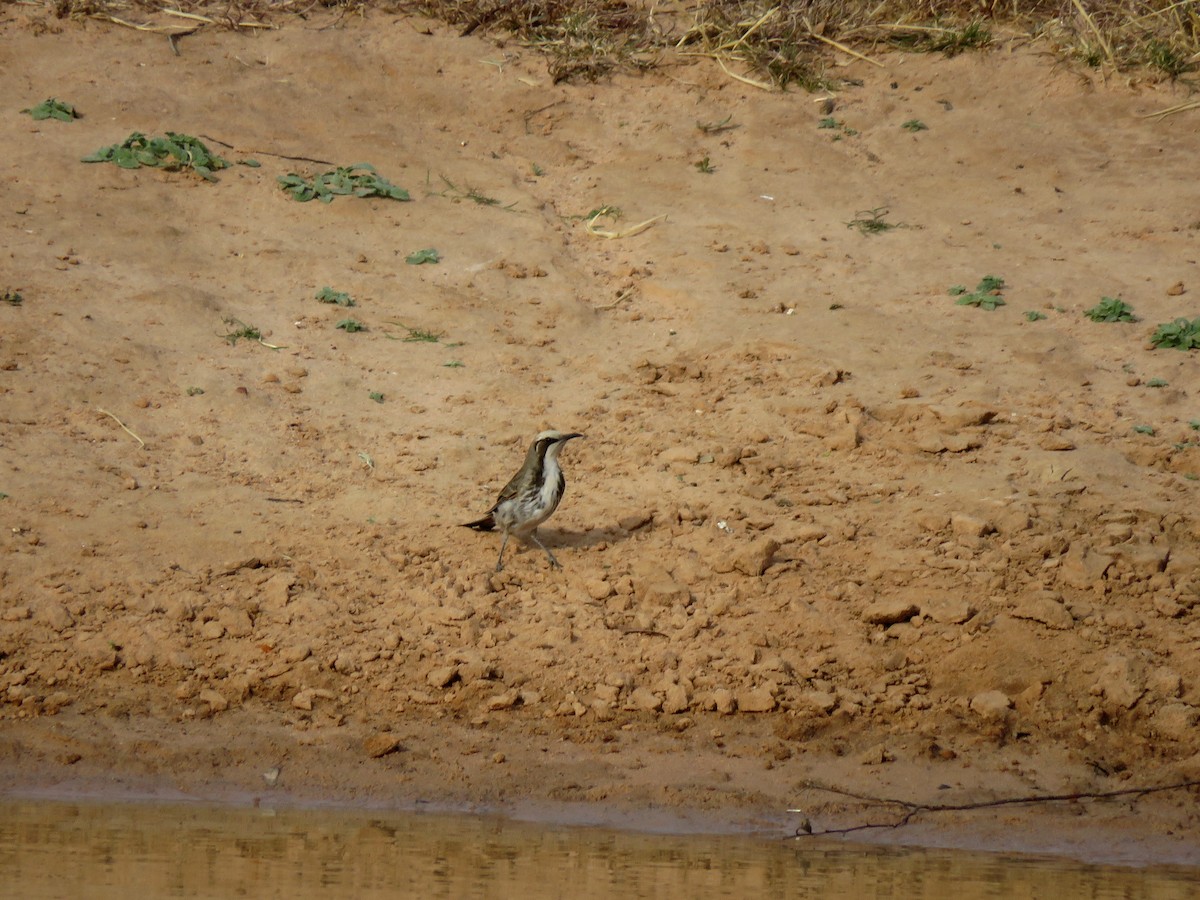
{"x": 567, "y": 537}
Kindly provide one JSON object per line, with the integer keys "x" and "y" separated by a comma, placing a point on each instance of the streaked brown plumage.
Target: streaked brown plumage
{"x": 532, "y": 495}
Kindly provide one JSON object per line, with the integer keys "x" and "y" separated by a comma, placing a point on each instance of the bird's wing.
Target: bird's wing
{"x": 510, "y": 490}
{"x": 515, "y": 485}
{"x": 487, "y": 523}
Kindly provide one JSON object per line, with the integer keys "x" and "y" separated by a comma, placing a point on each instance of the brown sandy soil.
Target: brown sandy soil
{"x": 827, "y": 526}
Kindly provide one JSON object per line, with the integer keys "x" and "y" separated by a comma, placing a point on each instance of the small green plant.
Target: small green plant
{"x": 420, "y": 257}
{"x": 239, "y": 330}
{"x": 421, "y": 336}
{"x": 982, "y": 301}
{"x": 985, "y": 296}
{"x": 194, "y": 391}
{"x": 1179, "y": 335}
{"x": 600, "y": 212}
{"x": 871, "y": 221}
{"x": 329, "y": 295}
{"x": 1092, "y": 56}
{"x": 52, "y": 109}
{"x": 453, "y": 364}
{"x": 1033, "y": 315}
{"x": 12, "y": 298}
{"x": 788, "y": 63}
{"x": 1111, "y": 309}
{"x": 726, "y": 124}
{"x": 537, "y": 170}
{"x": 1144, "y": 429}
{"x": 358, "y": 180}
{"x": 1156, "y": 382}
{"x": 376, "y": 396}
{"x": 915, "y": 125}
{"x": 705, "y": 166}
{"x": 830, "y": 123}
{"x": 454, "y": 192}
{"x": 1194, "y": 424}
{"x": 351, "y": 325}
{"x": 1167, "y": 59}
{"x": 173, "y": 152}
{"x": 952, "y": 42}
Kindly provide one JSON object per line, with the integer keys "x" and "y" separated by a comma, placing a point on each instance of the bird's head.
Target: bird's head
{"x": 550, "y": 442}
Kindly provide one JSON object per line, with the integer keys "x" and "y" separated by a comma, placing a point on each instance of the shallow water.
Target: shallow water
{"x": 86, "y": 850}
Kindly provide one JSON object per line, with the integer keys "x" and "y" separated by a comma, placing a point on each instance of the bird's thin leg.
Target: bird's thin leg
{"x": 500, "y": 560}
{"x": 550, "y": 556}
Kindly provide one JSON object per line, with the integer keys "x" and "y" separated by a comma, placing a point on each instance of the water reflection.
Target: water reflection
{"x": 84, "y": 850}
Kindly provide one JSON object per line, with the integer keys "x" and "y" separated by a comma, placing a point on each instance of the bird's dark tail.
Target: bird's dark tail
{"x": 487, "y": 523}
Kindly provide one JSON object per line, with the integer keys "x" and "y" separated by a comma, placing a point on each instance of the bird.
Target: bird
{"x": 532, "y": 495}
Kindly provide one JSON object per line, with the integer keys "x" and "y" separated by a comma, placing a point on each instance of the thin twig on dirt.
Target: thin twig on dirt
{"x": 845, "y": 49}
{"x": 196, "y": 17}
{"x": 621, "y": 298}
{"x": 915, "y": 809}
{"x": 169, "y": 30}
{"x": 762, "y": 86}
{"x": 124, "y": 427}
{"x": 1171, "y": 110}
{"x": 533, "y": 112}
{"x": 900, "y": 26}
{"x": 628, "y": 232}
{"x": 320, "y": 162}
{"x": 155, "y": 29}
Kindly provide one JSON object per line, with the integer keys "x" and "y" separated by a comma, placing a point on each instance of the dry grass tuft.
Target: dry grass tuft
{"x": 768, "y": 43}
{"x": 581, "y": 38}
{"x": 787, "y": 43}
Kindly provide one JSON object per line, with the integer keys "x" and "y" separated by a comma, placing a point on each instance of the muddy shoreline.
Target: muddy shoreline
{"x": 334, "y": 772}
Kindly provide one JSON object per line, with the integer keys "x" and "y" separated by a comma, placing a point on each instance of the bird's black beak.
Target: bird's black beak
{"x": 574, "y": 434}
